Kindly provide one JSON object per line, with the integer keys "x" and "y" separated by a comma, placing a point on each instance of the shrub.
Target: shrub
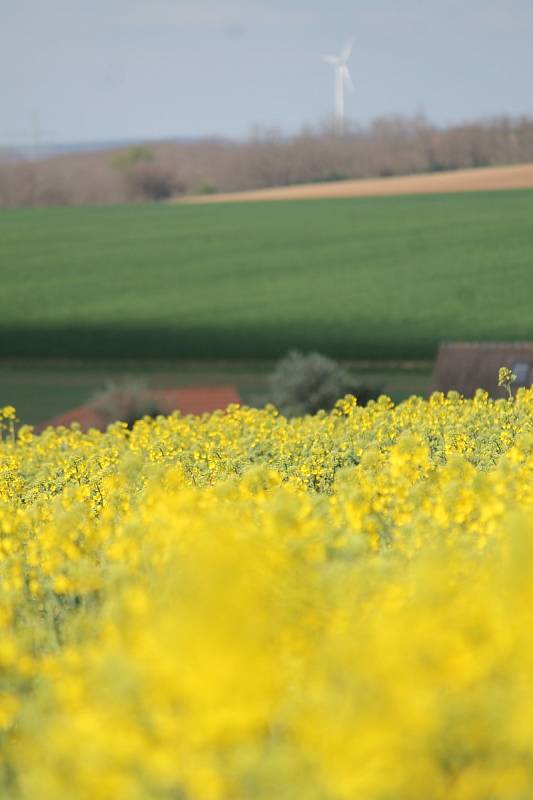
{"x": 305, "y": 384}
{"x": 145, "y": 179}
{"x": 206, "y": 188}
{"x": 151, "y": 182}
{"x": 127, "y": 401}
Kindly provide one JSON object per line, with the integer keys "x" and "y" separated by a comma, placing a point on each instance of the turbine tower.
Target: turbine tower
{"x": 342, "y": 81}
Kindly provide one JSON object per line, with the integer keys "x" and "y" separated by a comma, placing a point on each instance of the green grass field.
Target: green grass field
{"x": 362, "y": 278}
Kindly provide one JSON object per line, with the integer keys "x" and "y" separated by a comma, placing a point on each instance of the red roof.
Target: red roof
{"x": 194, "y": 400}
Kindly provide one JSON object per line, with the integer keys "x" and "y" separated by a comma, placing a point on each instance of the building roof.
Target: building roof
{"x": 467, "y": 366}
{"x": 193, "y": 400}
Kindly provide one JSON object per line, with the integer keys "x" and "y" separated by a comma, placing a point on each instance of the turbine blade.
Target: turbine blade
{"x": 346, "y": 51}
{"x": 330, "y": 59}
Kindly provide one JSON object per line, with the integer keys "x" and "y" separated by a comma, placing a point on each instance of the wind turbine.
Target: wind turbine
{"x": 342, "y": 81}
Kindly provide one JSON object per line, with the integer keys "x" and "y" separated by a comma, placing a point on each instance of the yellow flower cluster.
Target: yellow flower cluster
{"x": 244, "y": 607}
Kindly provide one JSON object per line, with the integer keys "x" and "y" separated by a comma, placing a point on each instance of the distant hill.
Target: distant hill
{"x": 26, "y": 152}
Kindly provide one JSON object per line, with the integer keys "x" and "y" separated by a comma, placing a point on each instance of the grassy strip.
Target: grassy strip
{"x": 40, "y": 393}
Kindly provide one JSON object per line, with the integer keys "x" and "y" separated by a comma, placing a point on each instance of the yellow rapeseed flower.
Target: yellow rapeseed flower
{"x": 239, "y": 605}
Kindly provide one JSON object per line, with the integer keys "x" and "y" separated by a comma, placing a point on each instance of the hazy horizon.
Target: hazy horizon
{"x": 133, "y": 70}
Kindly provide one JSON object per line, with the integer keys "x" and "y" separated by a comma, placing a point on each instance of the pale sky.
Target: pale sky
{"x": 105, "y": 69}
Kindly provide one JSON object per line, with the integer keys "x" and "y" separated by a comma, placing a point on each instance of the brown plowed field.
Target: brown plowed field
{"x": 483, "y": 179}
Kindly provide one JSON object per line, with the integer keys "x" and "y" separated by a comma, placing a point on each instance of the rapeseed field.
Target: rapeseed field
{"x": 240, "y": 606}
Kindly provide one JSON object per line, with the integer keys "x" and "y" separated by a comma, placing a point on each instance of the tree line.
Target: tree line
{"x": 391, "y": 145}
